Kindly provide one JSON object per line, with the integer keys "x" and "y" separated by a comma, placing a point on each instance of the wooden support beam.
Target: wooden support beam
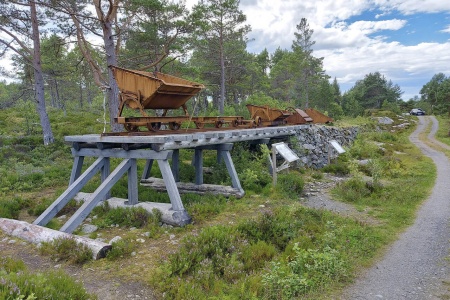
{"x": 76, "y": 168}
{"x": 71, "y": 191}
{"x": 198, "y": 165}
{"x": 147, "y": 168}
{"x": 171, "y": 185}
{"x": 99, "y": 194}
{"x": 176, "y": 164}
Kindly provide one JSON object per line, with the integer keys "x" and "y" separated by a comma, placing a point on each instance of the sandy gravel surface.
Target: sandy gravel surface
{"x": 415, "y": 266}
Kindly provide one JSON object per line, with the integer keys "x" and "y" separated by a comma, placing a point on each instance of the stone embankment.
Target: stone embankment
{"x": 312, "y": 144}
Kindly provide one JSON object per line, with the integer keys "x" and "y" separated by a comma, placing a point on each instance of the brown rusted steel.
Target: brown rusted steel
{"x": 142, "y": 90}
{"x": 267, "y": 116}
{"x": 155, "y": 90}
{"x": 317, "y": 116}
{"x": 298, "y": 117}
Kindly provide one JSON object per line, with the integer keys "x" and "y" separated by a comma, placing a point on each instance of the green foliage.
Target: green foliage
{"x": 255, "y": 256}
{"x": 309, "y": 269}
{"x": 212, "y": 246}
{"x": 263, "y": 99}
{"x": 277, "y": 228}
{"x": 121, "y": 249}
{"x": 125, "y": 216}
{"x": 372, "y": 92}
{"x": 338, "y": 167}
{"x": 9, "y": 209}
{"x": 67, "y": 249}
{"x": 304, "y": 249}
{"x": 203, "y": 207}
{"x": 16, "y": 282}
{"x": 435, "y": 94}
{"x": 290, "y": 184}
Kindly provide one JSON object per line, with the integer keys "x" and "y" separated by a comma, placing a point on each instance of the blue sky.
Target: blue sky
{"x": 408, "y": 41}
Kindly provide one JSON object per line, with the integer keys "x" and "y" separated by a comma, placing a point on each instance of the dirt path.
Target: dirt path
{"x": 415, "y": 266}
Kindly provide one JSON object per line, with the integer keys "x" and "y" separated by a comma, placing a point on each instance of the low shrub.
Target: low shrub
{"x": 257, "y": 255}
{"x": 290, "y": 184}
{"x": 67, "y": 249}
{"x": 9, "y": 209}
{"x": 16, "y": 282}
{"x": 121, "y": 249}
{"x": 125, "y": 216}
{"x": 308, "y": 270}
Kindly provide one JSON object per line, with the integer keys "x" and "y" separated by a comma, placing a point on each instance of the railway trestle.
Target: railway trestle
{"x": 164, "y": 149}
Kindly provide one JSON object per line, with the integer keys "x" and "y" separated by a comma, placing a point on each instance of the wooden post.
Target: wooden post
{"x": 274, "y": 165}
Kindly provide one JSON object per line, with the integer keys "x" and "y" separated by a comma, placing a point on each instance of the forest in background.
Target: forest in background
{"x": 62, "y": 49}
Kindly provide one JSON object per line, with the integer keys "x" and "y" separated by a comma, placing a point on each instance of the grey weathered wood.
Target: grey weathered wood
{"x": 105, "y": 173}
{"x": 76, "y": 168}
{"x": 132, "y": 183}
{"x": 37, "y": 234}
{"x": 97, "y": 196}
{"x": 68, "y": 194}
{"x": 171, "y": 185}
{"x": 147, "y": 168}
{"x": 231, "y": 170}
{"x": 189, "y": 140}
{"x": 176, "y": 165}
{"x": 120, "y": 153}
{"x": 198, "y": 165}
{"x": 188, "y": 187}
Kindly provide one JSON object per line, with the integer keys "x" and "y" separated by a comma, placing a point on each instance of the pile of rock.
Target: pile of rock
{"x": 312, "y": 143}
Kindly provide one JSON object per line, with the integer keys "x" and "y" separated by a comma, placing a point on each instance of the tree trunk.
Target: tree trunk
{"x": 113, "y": 90}
{"x": 81, "y": 95}
{"x": 222, "y": 79}
{"x": 39, "y": 79}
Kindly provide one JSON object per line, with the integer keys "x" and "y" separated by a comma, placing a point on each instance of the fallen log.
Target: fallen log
{"x": 37, "y": 234}
{"x": 187, "y": 187}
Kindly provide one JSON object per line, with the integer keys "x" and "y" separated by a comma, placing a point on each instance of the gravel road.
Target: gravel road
{"x": 415, "y": 266}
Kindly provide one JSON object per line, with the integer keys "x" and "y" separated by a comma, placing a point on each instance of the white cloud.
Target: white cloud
{"x": 351, "y": 50}
{"x": 414, "y": 6}
{"x": 447, "y": 29}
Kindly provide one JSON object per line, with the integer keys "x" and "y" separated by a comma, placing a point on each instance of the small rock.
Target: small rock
{"x": 62, "y": 217}
{"x": 88, "y": 228}
{"x": 115, "y": 239}
{"x": 133, "y": 253}
{"x": 140, "y": 240}
{"x": 133, "y": 228}
{"x": 12, "y": 242}
{"x": 57, "y": 266}
{"x": 172, "y": 236}
{"x": 147, "y": 234}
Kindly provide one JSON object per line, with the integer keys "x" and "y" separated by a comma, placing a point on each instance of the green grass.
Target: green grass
{"x": 443, "y": 133}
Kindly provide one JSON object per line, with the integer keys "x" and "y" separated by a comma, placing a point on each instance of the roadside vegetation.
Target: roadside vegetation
{"x": 266, "y": 245}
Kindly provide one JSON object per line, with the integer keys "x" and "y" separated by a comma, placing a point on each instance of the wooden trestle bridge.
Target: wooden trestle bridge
{"x": 151, "y": 148}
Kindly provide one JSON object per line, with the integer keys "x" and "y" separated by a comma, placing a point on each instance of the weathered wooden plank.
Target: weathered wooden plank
{"x": 120, "y": 153}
